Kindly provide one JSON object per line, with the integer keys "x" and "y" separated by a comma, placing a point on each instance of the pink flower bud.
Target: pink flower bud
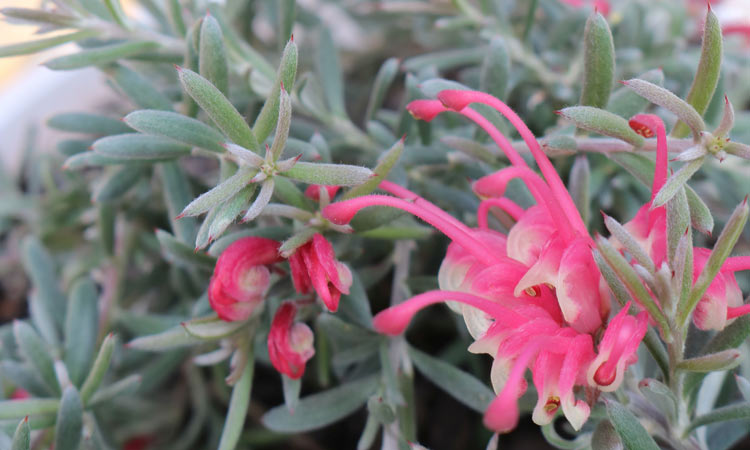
{"x": 425, "y": 109}
{"x": 241, "y": 277}
{"x": 314, "y": 266}
{"x": 313, "y": 191}
{"x": 290, "y": 344}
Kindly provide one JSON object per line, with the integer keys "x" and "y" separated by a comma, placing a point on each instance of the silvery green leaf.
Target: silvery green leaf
{"x": 599, "y": 62}
{"x": 629, "y": 242}
{"x": 676, "y": 181}
{"x": 203, "y": 238}
{"x": 220, "y": 193}
{"x": 383, "y": 80}
{"x": 70, "y": 147}
{"x": 430, "y": 88}
{"x": 469, "y": 147}
{"x": 260, "y": 202}
{"x": 140, "y": 147}
{"x": 723, "y": 414}
{"x": 167, "y": 340}
{"x": 212, "y": 56}
{"x": 118, "y": 183}
{"x": 296, "y": 241}
{"x": 743, "y": 385}
{"x": 723, "y": 247}
{"x": 211, "y": 328}
{"x": 626, "y": 103}
{"x": 381, "y": 410}
{"x": 694, "y": 152}
{"x": 93, "y": 159}
{"x": 459, "y": 384}
{"x": 127, "y": 386}
{"x": 495, "y": 70}
{"x": 69, "y": 420}
{"x": 285, "y": 76}
{"x": 22, "y": 436}
{"x": 329, "y": 70}
{"x": 140, "y": 90}
{"x": 707, "y": 74}
{"x": 660, "y": 396}
{"x": 88, "y": 124}
{"x": 238, "y": 404}
{"x": 632, "y": 433}
{"x": 291, "y": 388}
{"x": 282, "y": 126}
{"x": 38, "y": 16}
{"x": 603, "y": 122}
{"x": 381, "y": 171}
{"x": 579, "y": 186}
{"x": 13, "y": 409}
{"x": 678, "y": 220}
{"x": 36, "y": 353}
{"x": 738, "y": 149}
{"x": 720, "y": 361}
{"x": 321, "y": 409}
{"x": 182, "y": 254}
{"x": 178, "y": 127}
{"x": 98, "y": 369}
{"x": 228, "y": 212}
{"x": 246, "y": 156}
{"x": 445, "y": 59}
{"x": 727, "y": 120}
{"x": 25, "y": 48}
{"x": 329, "y": 174}
{"x": 219, "y": 109}
{"x": 666, "y": 99}
{"x": 605, "y": 437}
{"x": 369, "y": 433}
{"x": 81, "y": 329}
{"x": 100, "y": 55}
{"x": 40, "y": 267}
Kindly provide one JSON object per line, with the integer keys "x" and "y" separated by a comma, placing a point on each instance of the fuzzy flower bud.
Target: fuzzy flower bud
{"x": 290, "y": 344}
{"x": 314, "y": 266}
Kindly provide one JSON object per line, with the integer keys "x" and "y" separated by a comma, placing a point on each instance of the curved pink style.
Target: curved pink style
{"x": 290, "y": 345}
{"x": 313, "y": 191}
{"x": 241, "y": 277}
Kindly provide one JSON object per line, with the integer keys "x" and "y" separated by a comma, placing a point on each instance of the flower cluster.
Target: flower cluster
{"x": 533, "y": 298}
{"x": 242, "y": 276}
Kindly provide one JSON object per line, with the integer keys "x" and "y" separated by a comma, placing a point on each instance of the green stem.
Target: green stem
{"x": 529, "y": 19}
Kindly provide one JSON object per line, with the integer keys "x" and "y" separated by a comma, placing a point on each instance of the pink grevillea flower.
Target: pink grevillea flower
{"x": 723, "y": 298}
{"x": 617, "y": 349}
{"x": 314, "y": 266}
{"x": 241, "y": 277}
{"x": 290, "y": 344}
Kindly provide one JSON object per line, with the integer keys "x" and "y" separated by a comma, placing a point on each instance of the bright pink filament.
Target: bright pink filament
{"x": 458, "y": 100}
{"x": 496, "y": 183}
{"x": 406, "y": 194}
{"x": 394, "y": 320}
{"x": 496, "y": 136}
{"x": 738, "y": 311}
{"x": 343, "y": 212}
{"x": 736, "y": 264}
{"x": 506, "y": 204}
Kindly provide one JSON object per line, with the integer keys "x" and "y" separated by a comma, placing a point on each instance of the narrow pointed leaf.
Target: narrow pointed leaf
{"x": 676, "y": 182}
{"x": 666, "y": 99}
{"x": 35, "y": 352}
{"x": 38, "y": 16}
{"x": 260, "y": 202}
{"x": 22, "y": 436}
{"x": 220, "y": 193}
{"x": 329, "y": 174}
{"x": 118, "y": 183}
{"x": 738, "y": 149}
{"x": 330, "y": 73}
{"x": 678, "y": 220}
{"x": 25, "y": 48}
{"x": 140, "y": 147}
{"x": 140, "y": 90}
{"x": 167, "y": 340}
{"x": 219, "y": 109}
{"x": 723, "y": 247}
{"x": 318, "y": 410}
{"x": 626, "y": 103}
{"x": 13, "y": 409}
{"x": 598, "y": 62}
{"x": 174, "y": 12}
{"x": 603, "y": 122}
{"x": 628, "y": 241}
{"x": 230, "y": 210}
{"x": 383, "y": 80}
{"x": 579, "y": 186}
{"x": 707, "y": 74}
{"x": 182, "y": 254}
{"x": 81, "y": 329}
{"x": 386, "y": 163}
{"x": 727, "y": 119}
{"x": 660, "y": 396}
{"x": 213, "y": 58}
{"x": 291, "y": 388}
{"x": 632, "y": 433}
{"x": 739, "y": 411}
{"x": 212, "y": 328}
{"x": 287, "y": 71}
{"x": 127, "y": 386}
{"x": 88, "y": 124}
{"x": 100, "y": 55}
{"x": 282, "y": 127}
{"x": 98, "y": 369}
{"x": 93, "y": 159}
{"x": 605, "y": 437}
{"x": 459, "y": 384}
{"x": 178, "y": 127}
{"x": 177, "y": 194}
{"x": 238, "y": 404}
{"x": 40, "y": 268}
{"x": 69, "y": 420}
{"x": 720, "y": 361}
{"x": 495, "y": 69}
{"x": 744, "y": 386}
